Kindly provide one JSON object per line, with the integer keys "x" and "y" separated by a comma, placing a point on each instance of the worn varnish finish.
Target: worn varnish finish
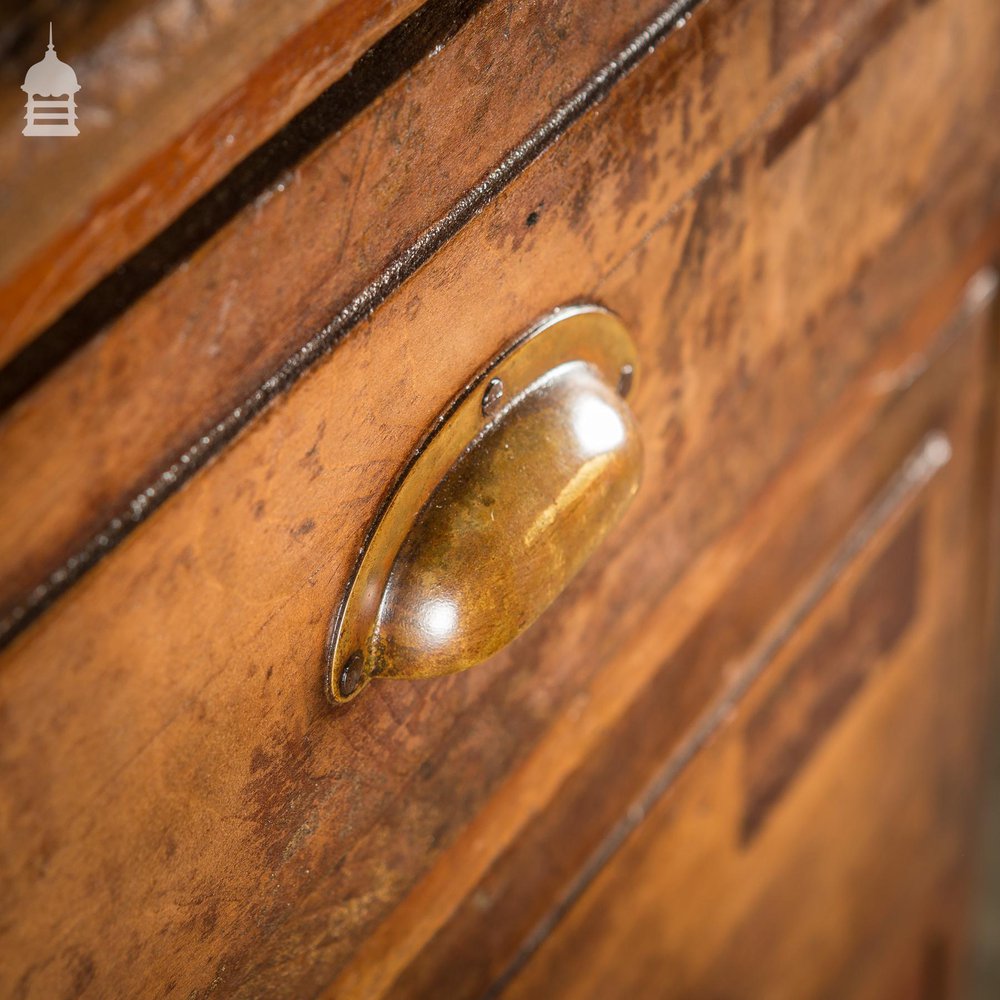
{"x": 788, "y": 727}
{"x": 203, "y": 340}
{"x": 464, "y": 924}
{"x": 185, "y": 814}
{"x": 207, "y": 336}
{"x": 175, "y": 94}
{"x": 868, "y": 803}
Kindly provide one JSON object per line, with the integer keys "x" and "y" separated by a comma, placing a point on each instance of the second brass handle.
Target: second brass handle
{"x": 522, "y": 478}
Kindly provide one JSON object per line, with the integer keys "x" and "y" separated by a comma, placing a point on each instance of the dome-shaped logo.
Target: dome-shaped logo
{"x": 50, "y": 85}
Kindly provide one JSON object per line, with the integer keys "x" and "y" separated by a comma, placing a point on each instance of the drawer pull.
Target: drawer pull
{"x": 520, "y": 479}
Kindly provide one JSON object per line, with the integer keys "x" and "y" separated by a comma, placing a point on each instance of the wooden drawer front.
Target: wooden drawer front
{"x": 813, "y": 845}
{"x": 748, "y": 111}
{"x": 166, "y": 370}
{"x": 185, "y": 811}
{"x": 674, "y": 683}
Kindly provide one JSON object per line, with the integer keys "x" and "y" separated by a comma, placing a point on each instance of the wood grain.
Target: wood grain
{"x": 462, "y": 927}
{"x": 210, "y": 334}
{"x": 787, "y": 728}
{"x": 199, "y": 344}
{"x": 874, "y": 820}
{"x": 174, "y": 95}
{"x": 184, "y": 812}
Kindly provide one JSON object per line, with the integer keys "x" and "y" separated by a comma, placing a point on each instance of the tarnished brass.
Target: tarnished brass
{"x": 520, "y": 479}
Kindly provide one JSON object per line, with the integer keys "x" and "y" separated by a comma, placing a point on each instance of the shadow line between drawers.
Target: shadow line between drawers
{"x": 369, "y": 298}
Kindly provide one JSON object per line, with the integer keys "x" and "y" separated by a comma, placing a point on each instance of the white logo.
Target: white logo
{"x": 50, "y": 78}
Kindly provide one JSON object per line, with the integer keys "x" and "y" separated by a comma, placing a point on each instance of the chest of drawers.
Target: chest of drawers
{"x": 740, "y": 754}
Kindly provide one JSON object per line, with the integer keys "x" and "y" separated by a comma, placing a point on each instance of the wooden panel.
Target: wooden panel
{"x": 831, "y": 805}
{"x": 174, "y": 95}
{"x": 207, "y": 821}
{"x": 156, "y": 794}
{"x": 461, "y": 928}
{"x": 170, "y": 369}
{"x": 786, "y": 729}
{"x": 206, "y": 337}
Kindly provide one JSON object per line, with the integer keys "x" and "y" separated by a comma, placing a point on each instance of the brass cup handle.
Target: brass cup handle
{"x": 519, "y": 481}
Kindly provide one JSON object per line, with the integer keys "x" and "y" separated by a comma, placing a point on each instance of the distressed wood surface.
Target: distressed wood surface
{"x": 204, "y": 339}
{"x": 464, "y": 924}
{"x": 184, "y": 811}
{"x": 175, "y": 93}
{"x": 836, "y": 801}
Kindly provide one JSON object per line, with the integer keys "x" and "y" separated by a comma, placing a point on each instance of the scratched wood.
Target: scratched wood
{"x": 835, "y": 802}
{"x": 207, "y": 336}
{"x": 483, "y": 101}
{"x": 174, "y": 95}
{"x": 185, "y": 813}
{"x": 203, "y": 340}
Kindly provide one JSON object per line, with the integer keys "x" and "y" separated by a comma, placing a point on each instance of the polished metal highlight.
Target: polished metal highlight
{"x": 520, "y": 479}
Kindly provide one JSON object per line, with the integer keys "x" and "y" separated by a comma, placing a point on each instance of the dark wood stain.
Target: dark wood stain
{"x": 794, "y": 27}
{"x": 935, "y": 979}
{"x": 788, "y": 728}
{"x": 118, "y": 291}
{"x": 811, "y": 104}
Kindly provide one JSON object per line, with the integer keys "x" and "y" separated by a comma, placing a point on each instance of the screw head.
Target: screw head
{"x": 352, "y": 674}
{"x": 492, "y": 396}
{"x": 625, "y": 378}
